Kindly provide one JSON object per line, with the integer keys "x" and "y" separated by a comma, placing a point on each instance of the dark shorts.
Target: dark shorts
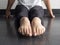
{"x": 22, "y": 11}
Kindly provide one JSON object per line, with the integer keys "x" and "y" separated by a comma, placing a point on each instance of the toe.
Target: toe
{"x": 37, "y": 31}
{"x": 34, "y": 32}
{"x": 43, "y": 29}
{"x": 27, "y": 32}
{"x": 20, "y": 30}
{"x": 23, "y": 31}
{"x": 30, "y": 31}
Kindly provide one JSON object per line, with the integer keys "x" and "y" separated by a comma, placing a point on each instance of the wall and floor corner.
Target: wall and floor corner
{"x": 54, "y": 4}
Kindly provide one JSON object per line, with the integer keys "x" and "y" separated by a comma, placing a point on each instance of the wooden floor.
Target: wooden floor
{"x": 8, "y": 34}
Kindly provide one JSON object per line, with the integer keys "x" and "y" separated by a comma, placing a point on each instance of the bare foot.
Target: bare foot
{"x": 25, "y": 27}
{"x": 37, "y": 27}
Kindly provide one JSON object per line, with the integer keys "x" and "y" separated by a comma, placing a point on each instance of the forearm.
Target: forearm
{"x": 9, "y": 5}
{"x": 47, "y": 3}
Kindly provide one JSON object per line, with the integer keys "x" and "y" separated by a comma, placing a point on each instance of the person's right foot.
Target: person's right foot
{"x": 25, "y": 28}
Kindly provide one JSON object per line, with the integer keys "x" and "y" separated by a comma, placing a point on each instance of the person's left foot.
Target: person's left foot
{"x": 37, "y": 27}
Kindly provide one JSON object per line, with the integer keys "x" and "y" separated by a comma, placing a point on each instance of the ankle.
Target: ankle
{"x": 24, "y": 20}
{"x": 36, "y": 19}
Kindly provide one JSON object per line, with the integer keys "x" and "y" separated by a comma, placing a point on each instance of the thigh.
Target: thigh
{"x": 21, "y": 10}
{"x": 36, "y": 11}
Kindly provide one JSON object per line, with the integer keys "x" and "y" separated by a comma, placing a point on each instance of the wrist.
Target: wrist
{"x": 7, "y": 9}
{"x": 51, "y": 13}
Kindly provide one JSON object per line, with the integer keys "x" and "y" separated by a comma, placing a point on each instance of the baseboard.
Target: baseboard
{"x": 2, "y": 11}
{"x": 55, "y": 11}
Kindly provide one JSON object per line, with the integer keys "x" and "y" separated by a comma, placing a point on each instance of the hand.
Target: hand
{"x": 53, "y": 16}
{"x": 7, "y": 14}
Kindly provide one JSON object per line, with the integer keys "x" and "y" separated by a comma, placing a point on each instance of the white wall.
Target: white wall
{"x": 55, "y": 4}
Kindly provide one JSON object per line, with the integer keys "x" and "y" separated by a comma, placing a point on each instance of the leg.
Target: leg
{"x": 22, "y": 22}
{"x": 36, "y": 15}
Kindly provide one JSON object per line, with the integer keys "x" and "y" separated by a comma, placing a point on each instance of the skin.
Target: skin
{"x": 47, "y": 3}
{"x": 35, "y": 27}
{"x": 25, "y": 27}
{"x": 9, "y": 5}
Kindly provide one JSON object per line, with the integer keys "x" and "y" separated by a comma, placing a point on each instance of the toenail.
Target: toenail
{"x": 35, "y": 34}
{"x": 30, "y": 34}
